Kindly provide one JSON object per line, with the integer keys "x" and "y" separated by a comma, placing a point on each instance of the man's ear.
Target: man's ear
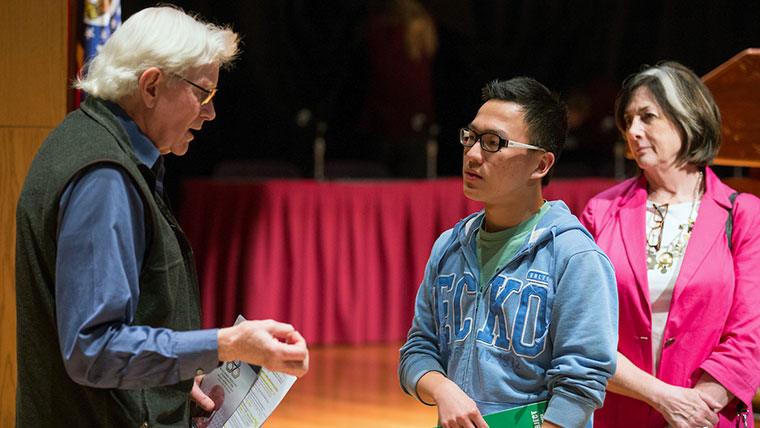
{"x": 545, "y": 163}
{"x": 148, "y": 85}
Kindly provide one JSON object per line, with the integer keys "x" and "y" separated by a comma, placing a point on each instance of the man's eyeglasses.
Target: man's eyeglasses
{"x": 490, "y": 142}
{"x": 209, "y": 92}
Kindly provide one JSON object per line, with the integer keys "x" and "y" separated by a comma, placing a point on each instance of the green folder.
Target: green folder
{"x": 527, "y": 416}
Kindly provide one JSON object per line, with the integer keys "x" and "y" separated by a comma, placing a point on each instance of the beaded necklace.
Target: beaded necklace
{"x": 677, "y": 247}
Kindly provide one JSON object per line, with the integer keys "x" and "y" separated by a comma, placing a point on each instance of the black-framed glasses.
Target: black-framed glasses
{"x": 654, "y": 238}
{"x": 490, "y": 142}
{"x": 209, "y": 92}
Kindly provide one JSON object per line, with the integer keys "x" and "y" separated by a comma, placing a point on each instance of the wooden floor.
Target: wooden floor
{"x": 351, "y": 386}
{"x": 355, "y": 386}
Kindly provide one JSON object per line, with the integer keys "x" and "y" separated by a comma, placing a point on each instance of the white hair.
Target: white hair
{"x": 164, "y": 37}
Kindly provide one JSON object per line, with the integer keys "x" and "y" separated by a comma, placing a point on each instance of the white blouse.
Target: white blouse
{"x": 661, "y": 282}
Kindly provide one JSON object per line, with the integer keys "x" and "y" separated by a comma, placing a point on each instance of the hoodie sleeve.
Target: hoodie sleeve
{"x": 584, "y": 332}
{"x": 421, "y": 352}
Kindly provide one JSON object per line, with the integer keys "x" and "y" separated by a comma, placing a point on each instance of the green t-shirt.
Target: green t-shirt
{"x": 496, "y": 249}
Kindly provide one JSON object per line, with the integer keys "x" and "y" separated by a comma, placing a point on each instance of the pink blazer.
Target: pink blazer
{"x": 714, "y": 319}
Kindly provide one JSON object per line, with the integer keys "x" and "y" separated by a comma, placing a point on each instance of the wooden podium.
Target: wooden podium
{"x": 735, "y": 85}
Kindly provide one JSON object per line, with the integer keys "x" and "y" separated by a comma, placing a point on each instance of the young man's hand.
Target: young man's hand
{"x": 455, "y": 408}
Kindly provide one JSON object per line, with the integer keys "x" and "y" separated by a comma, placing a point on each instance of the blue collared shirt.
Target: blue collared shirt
{"x": 101, "y": 247}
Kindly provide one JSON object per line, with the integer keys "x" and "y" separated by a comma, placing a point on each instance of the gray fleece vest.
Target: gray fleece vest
{"x": 45, "y": 395}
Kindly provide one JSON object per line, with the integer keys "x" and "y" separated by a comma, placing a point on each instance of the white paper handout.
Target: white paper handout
{"x": 249, "y": 394}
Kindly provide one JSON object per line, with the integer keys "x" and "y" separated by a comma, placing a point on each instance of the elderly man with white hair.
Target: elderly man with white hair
{"x": 107, "y": 293}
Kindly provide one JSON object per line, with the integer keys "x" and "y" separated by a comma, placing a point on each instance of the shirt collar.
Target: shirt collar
{"x": 144, "y": 149}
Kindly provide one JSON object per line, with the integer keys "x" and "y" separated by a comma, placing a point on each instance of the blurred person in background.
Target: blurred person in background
{"x": 401, "y": 42}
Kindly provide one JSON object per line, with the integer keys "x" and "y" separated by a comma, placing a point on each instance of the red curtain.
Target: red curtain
{"x": 341, "y": 261}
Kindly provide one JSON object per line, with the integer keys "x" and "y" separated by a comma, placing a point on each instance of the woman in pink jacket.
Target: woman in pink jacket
{"x": 689, "y": 330}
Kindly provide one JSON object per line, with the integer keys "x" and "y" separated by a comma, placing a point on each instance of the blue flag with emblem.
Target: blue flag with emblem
{"x": 100, "y": 19}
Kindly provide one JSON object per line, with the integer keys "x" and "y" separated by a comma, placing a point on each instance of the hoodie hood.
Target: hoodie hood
{"x": 557, "y": 220}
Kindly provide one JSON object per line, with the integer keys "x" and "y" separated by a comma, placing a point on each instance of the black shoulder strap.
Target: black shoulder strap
{"x": 730, "y": 220}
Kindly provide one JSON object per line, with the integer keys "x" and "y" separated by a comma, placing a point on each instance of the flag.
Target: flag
{"x": 100, "y": 19}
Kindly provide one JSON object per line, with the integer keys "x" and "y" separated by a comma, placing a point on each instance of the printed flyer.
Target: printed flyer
{"x": 248, "y": 394}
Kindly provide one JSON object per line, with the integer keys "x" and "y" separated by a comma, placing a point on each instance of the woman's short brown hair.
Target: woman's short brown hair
{"x": 686, "y": 101}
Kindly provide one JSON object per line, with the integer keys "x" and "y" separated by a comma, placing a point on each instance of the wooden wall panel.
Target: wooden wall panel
{"x": 34, "y": 79}
{"x": 34, "y": 46}
{"x": 17, "y": 148}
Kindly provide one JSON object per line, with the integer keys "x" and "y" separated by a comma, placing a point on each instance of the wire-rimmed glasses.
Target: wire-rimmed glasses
{"x": 209, "y": 92}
